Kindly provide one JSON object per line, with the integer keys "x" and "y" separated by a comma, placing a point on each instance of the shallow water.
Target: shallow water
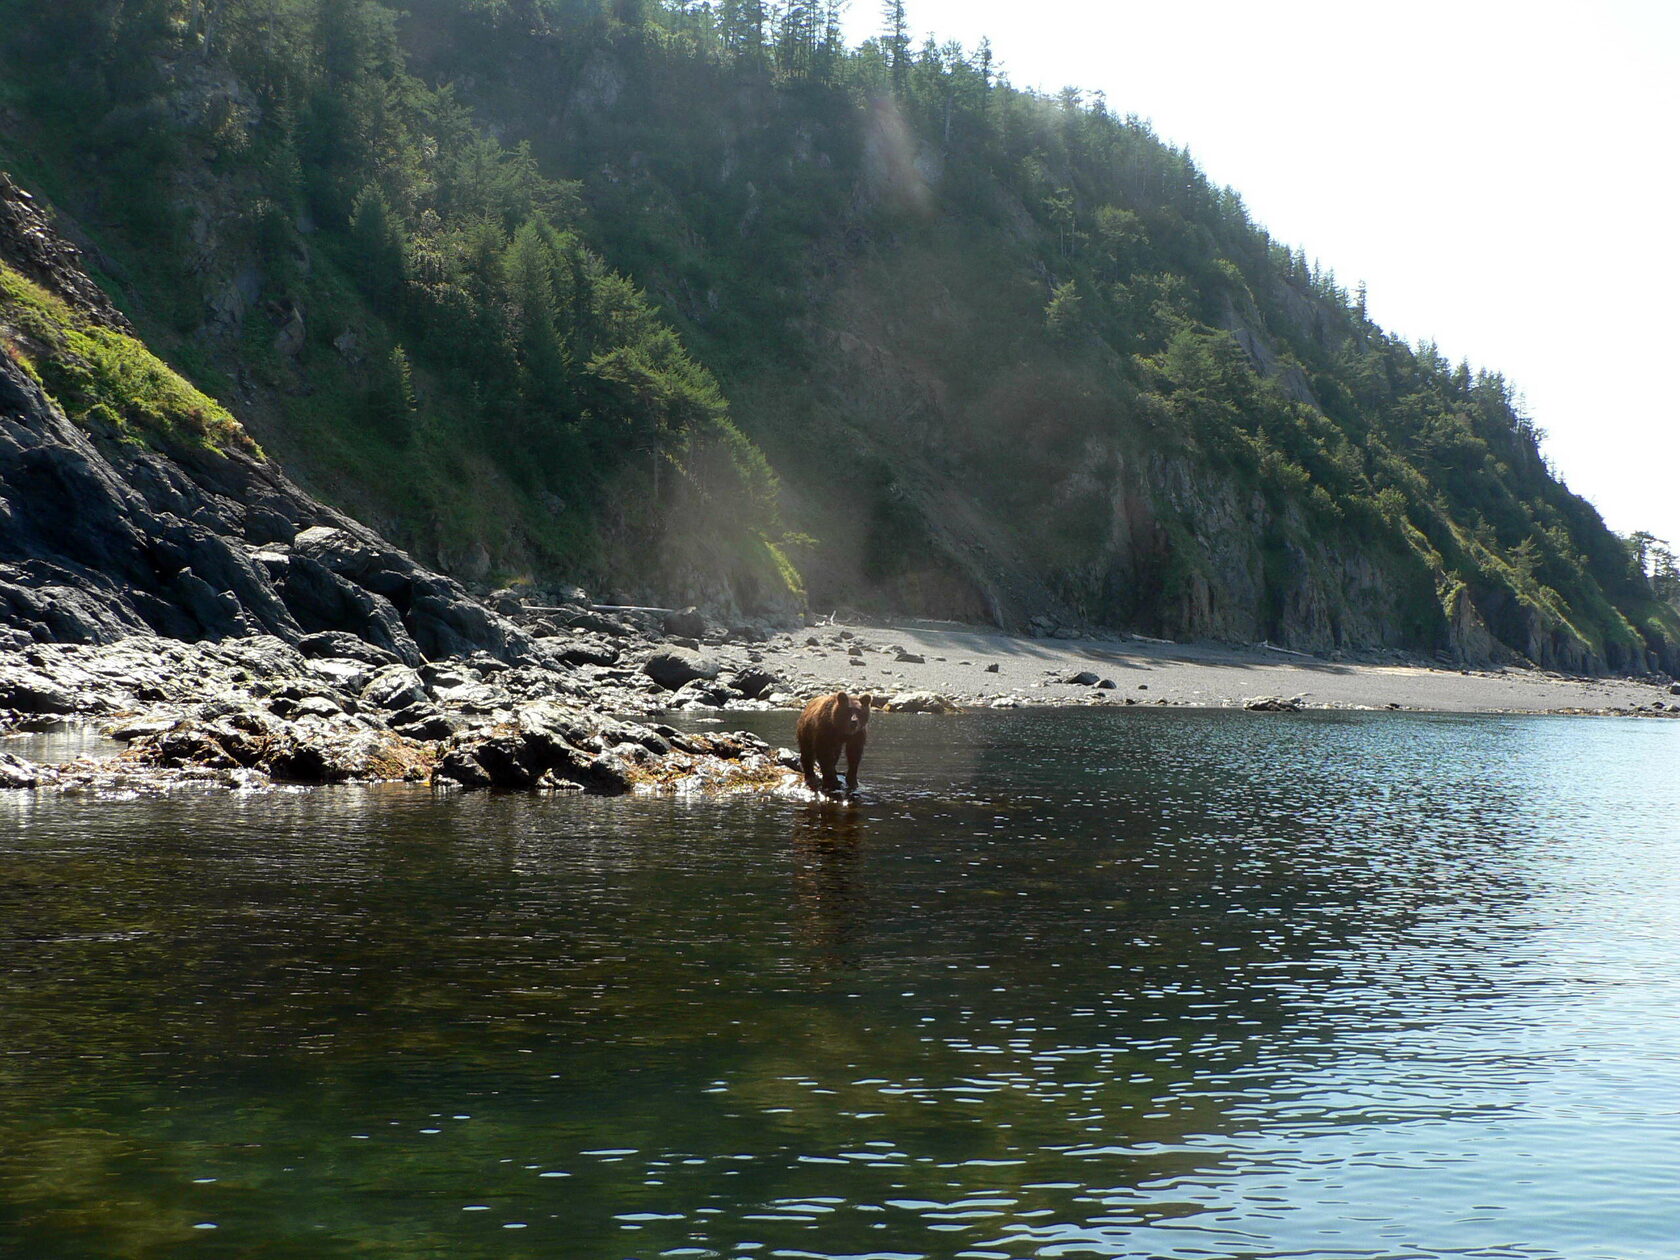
{"x": 1161, "y": 984}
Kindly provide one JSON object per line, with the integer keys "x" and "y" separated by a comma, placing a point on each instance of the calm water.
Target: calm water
{"x": 1144, "y": 984}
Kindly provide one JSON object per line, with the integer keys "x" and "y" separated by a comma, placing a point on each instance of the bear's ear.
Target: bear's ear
{"x": 866, "y": 701}
{"x": 841, "y": 700}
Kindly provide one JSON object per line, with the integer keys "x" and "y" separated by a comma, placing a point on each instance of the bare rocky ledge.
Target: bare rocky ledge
{"x": 252, "y": 713}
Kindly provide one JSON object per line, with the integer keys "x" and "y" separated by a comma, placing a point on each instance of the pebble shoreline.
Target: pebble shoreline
{"x": 249, "y": 713}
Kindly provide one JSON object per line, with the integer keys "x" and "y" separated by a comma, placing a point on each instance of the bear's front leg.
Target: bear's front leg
{"x": 854, "y": 754}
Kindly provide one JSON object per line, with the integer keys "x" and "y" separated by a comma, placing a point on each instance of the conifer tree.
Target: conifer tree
{"x": 895, "y": 41}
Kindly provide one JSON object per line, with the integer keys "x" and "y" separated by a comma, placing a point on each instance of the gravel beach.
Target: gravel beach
{"x": 976, "y": 667}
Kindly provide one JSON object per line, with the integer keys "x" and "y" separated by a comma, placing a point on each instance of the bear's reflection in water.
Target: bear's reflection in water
{"x": 827, "y": 886}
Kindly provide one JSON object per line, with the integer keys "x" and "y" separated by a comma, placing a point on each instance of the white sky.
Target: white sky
{"x": 1501, "y": 173}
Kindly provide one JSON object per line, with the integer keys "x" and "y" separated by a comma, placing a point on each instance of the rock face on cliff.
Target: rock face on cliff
{"x": 104, "y": 535}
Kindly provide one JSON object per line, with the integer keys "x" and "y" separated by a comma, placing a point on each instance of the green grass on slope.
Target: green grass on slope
{"x": 101, "y": 376}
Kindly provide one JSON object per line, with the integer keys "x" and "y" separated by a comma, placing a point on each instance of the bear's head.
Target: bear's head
{"x": 851, "y": 713}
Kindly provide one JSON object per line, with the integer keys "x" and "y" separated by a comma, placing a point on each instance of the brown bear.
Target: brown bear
{"x": 828, "y": 724}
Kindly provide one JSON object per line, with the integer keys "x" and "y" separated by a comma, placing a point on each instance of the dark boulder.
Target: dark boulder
{"x": 687, "y": 624}
{"x": 755, "y": 683}
{"x": 576, "y": 651}
{"x": 672, "y": 668}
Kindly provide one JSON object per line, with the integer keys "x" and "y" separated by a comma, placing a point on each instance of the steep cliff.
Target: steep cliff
{"x": 629, "y": 294}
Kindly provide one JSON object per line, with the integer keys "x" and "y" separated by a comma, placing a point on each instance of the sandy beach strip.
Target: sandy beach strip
{"x": 977, "y": 667}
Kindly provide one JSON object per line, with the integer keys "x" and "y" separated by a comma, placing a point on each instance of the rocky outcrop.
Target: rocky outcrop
{"x": 103, "y": 538}
{"x": 30, "y": 243}
{"x": 250, "y": 713}
{"x": 235, "y": 632}
{"x": 557, "y": 748}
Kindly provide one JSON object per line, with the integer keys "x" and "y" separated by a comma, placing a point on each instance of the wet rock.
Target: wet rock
{"x": 993, "y": 668}
{"x": 25, "y": 691}
{"x": 479, "y": 698}
{"x": 442, "y": 679}
{"x": 509, "y": 603}
{"x": 431, "y": 728}
{"x": 395, "y": 687}
{"x": 330, "y": 748}
{"x": 919, "y": 702}
{"x": 909, "y": 658}
{"x": 342, "y": 755}
{"x": 1083, "y": 678}
{"x": 132, "y": 728}
{"x": 545, "y": 745}
{"x": 18, "y": 773}
{"x": 346, "y": 675}
{"x": 1107, "y": 684}
{"x": 1271, "y": 704}
{"x": 702, "y": 693}
{"x": 460, "y": 765}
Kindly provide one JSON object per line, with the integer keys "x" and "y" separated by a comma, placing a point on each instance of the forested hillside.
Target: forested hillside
{"x": 680, "y": 297}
